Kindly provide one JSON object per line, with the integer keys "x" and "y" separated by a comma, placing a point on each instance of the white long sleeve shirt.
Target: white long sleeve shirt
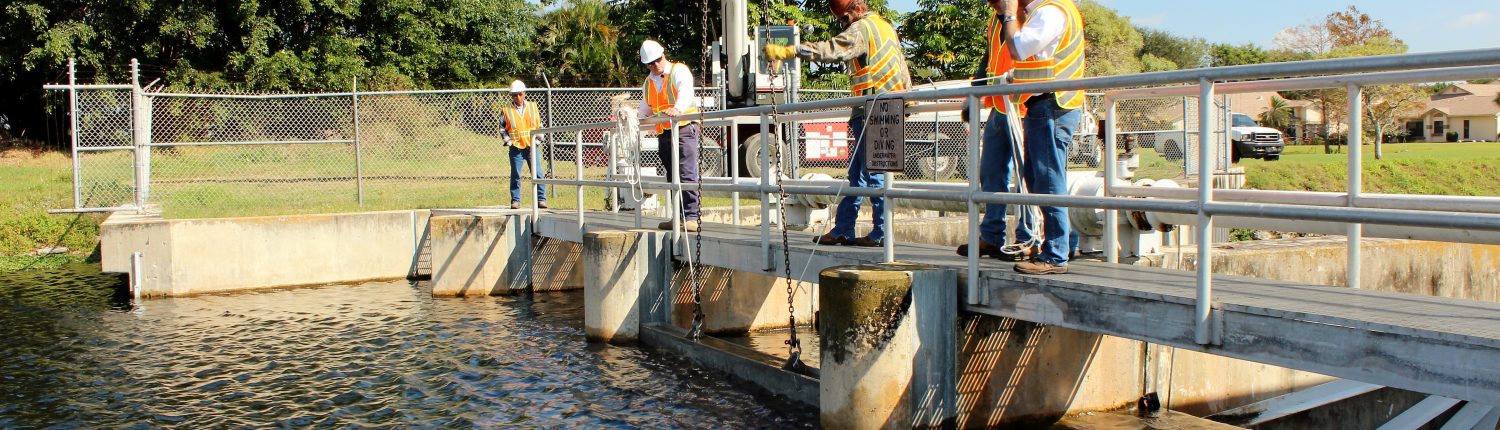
{"x": 1042, "y": 32}
{"x": 683, "y": 78}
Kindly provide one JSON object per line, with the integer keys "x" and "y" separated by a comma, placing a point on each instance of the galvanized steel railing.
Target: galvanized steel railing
{"x": 1352, "y": 207}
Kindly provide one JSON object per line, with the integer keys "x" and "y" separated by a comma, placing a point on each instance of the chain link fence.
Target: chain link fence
{"x": 218, "y": 154}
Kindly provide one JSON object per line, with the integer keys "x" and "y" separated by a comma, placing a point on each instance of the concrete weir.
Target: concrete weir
{"x": 896, "y": 348}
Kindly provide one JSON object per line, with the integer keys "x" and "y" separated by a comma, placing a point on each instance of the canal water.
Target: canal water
{"x": 75, "y": 353}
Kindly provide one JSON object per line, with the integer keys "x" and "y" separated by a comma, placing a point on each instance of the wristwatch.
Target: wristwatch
{"x": 1007, "y": 18}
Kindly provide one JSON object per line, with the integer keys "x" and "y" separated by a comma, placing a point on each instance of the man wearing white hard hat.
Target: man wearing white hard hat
{"x": 517, "y": 122}
{"x": 669, "y": 93}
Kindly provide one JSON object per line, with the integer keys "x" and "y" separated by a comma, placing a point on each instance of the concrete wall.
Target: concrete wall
{"x": 1454, "y": 270}
{"x": 1014, "y": 372}
{"x": 739, "y": 302}
{"x": 261, "y": 252}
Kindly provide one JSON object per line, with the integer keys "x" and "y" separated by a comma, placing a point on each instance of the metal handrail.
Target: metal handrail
{"x": 1349, "y": 207}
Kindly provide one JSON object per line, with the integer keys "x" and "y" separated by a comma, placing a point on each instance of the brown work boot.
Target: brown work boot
{"x": 829, "y": 239}
{"x": 1039, "y": 267}
{"x": 865, "y": 242}
{"x": 515, "y": 205}
{"x": 985, "y": 250}
{"x": 542, "y": 205}
{"x": 1024, "y": 255}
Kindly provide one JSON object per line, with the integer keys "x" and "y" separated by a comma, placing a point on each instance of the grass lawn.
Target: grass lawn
{"x": 37, "y": 181}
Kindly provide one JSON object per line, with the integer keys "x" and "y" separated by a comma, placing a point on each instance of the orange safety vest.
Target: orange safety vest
{"x": 884, "y": 68}
{"x": 999, "y": 64}
{"x": 1066, "y": 62}
{"x": 520, "y": 125}
{"x": 659, "y": 99}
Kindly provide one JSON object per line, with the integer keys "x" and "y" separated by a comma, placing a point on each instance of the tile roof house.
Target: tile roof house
{"x": 1472, "y": 111}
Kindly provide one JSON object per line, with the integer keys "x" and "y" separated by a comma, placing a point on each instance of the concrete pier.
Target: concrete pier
{"x": 617, "y": 267}
{"x": 888, "y": 352}
{"x": 480, "y": 254}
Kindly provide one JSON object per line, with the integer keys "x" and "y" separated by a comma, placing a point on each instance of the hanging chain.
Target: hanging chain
{"x": 703, "y": 67}
{"x": 695, "y": 265}
{"x": 794, "y": 346}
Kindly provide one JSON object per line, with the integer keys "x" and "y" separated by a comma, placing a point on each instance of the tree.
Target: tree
{"x": 1112, "y": 45}
{"x": 1279, "y": 116}
{"x": 1387, "y": 107}
{"x": 1309, "y": 39}
{"x": 258, "y": 45}
{"x": 1350, "y": 27}
{"x": 947, "y": 36}
{"x": 1183, "y": 52}
{"x": 583, "y": 46}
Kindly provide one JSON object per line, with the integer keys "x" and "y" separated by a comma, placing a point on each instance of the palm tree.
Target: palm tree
{"x": 582, "y": 43}
{"x": 1279, "y": 116}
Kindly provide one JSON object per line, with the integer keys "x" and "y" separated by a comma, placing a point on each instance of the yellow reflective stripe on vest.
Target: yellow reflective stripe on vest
{"x": 1066, "y": 62}
{"x": 659, "y": 99}
{"x": 999, "y": 64}
{"x": 886, "y": 70}
{"x": 520, "y": 125}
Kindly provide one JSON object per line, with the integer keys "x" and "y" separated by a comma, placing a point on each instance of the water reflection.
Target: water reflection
{"x": 381, "y": 354}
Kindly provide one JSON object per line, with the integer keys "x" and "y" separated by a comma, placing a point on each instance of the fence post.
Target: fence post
{"x": 1202, "y": 332}
{"x": 890, "y": 213}
{"x": 141, "y": 135}
{"x": 359, "y": 161}
{"x": 73, "y": 132}
{"x": 550, "y": 148}
{"x": 1356, "y": 170}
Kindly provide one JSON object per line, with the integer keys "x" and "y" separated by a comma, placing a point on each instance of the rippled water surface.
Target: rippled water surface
{"x": 380, "y": 354}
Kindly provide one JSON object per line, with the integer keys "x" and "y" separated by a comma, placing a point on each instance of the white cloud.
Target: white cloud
{"x": 1472, "y": 19}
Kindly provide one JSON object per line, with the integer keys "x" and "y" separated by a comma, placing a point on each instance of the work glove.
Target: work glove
{"x": 776, "y": 52}
{"x": 963, "y": 113}
{"x": 509, "y": 141}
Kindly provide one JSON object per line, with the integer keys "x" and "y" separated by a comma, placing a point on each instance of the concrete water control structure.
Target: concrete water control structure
{"x": 1100, "y": 332}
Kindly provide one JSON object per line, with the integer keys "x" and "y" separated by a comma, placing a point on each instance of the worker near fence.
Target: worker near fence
{"x": 872, "y": 50}
{"x": 517, "y": 122}
{"x": 669, "y": 93}
{"x": 996, "y": 162}
{"x": 1047, "y": 46}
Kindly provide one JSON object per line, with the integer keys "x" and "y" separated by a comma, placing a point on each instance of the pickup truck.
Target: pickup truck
{"x": 1248, "y": 140}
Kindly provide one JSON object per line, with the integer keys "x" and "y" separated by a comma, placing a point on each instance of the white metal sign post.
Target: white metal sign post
{"x": 885, "y": 135}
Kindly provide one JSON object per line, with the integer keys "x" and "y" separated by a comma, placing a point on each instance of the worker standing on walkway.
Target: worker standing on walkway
{"x": 517, "y": 122}
{"x": 1047, "y": 47}
{"x": 872, "y": 49}
{"x": 997, "y": 160}
{"x": 669, "y": 93}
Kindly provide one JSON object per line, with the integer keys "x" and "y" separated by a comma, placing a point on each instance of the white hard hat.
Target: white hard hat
{"x": 517, "y": 86}
{"x": 651, "y": 51}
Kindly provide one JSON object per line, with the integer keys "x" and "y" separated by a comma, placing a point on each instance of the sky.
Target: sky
{"x": 1425, "y": 26}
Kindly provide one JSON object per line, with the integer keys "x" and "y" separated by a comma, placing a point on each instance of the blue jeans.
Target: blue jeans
{"x": 518, "y": 157}
{"x": 848, "y": 210}
{"x": 1049, "y": 132}
{"x": 687, "y": 167}
{"x": 996, "y": 164}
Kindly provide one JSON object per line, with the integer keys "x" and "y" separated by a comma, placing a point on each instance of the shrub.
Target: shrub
{"x": 1452, "y": 136}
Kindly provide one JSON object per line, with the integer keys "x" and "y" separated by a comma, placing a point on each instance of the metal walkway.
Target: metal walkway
{"x": 1441, "y": 346}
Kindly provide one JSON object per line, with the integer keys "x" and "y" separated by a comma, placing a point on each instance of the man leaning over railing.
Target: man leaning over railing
{"x": 1049, "y": 46}
{"x": 669, "y": 92}
{"x": 870, "y": 45}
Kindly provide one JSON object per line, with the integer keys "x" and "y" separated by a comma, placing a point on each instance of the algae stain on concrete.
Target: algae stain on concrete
{"x": 861, "y": 307}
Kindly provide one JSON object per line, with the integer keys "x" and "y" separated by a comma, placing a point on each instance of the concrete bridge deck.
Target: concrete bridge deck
{"x": 1441, "y": 346}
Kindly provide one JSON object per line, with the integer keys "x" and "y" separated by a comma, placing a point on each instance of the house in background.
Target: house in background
{"x": 1469, "y": 110}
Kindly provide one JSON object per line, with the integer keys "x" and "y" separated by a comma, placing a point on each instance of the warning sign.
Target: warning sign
{"x": 885, "y": 135}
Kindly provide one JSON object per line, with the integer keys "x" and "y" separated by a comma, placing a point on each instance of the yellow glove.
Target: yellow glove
{"x": 780, "y": 52}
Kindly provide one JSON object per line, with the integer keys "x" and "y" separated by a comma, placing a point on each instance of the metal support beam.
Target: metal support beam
{"x": 1420, "y": 414}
